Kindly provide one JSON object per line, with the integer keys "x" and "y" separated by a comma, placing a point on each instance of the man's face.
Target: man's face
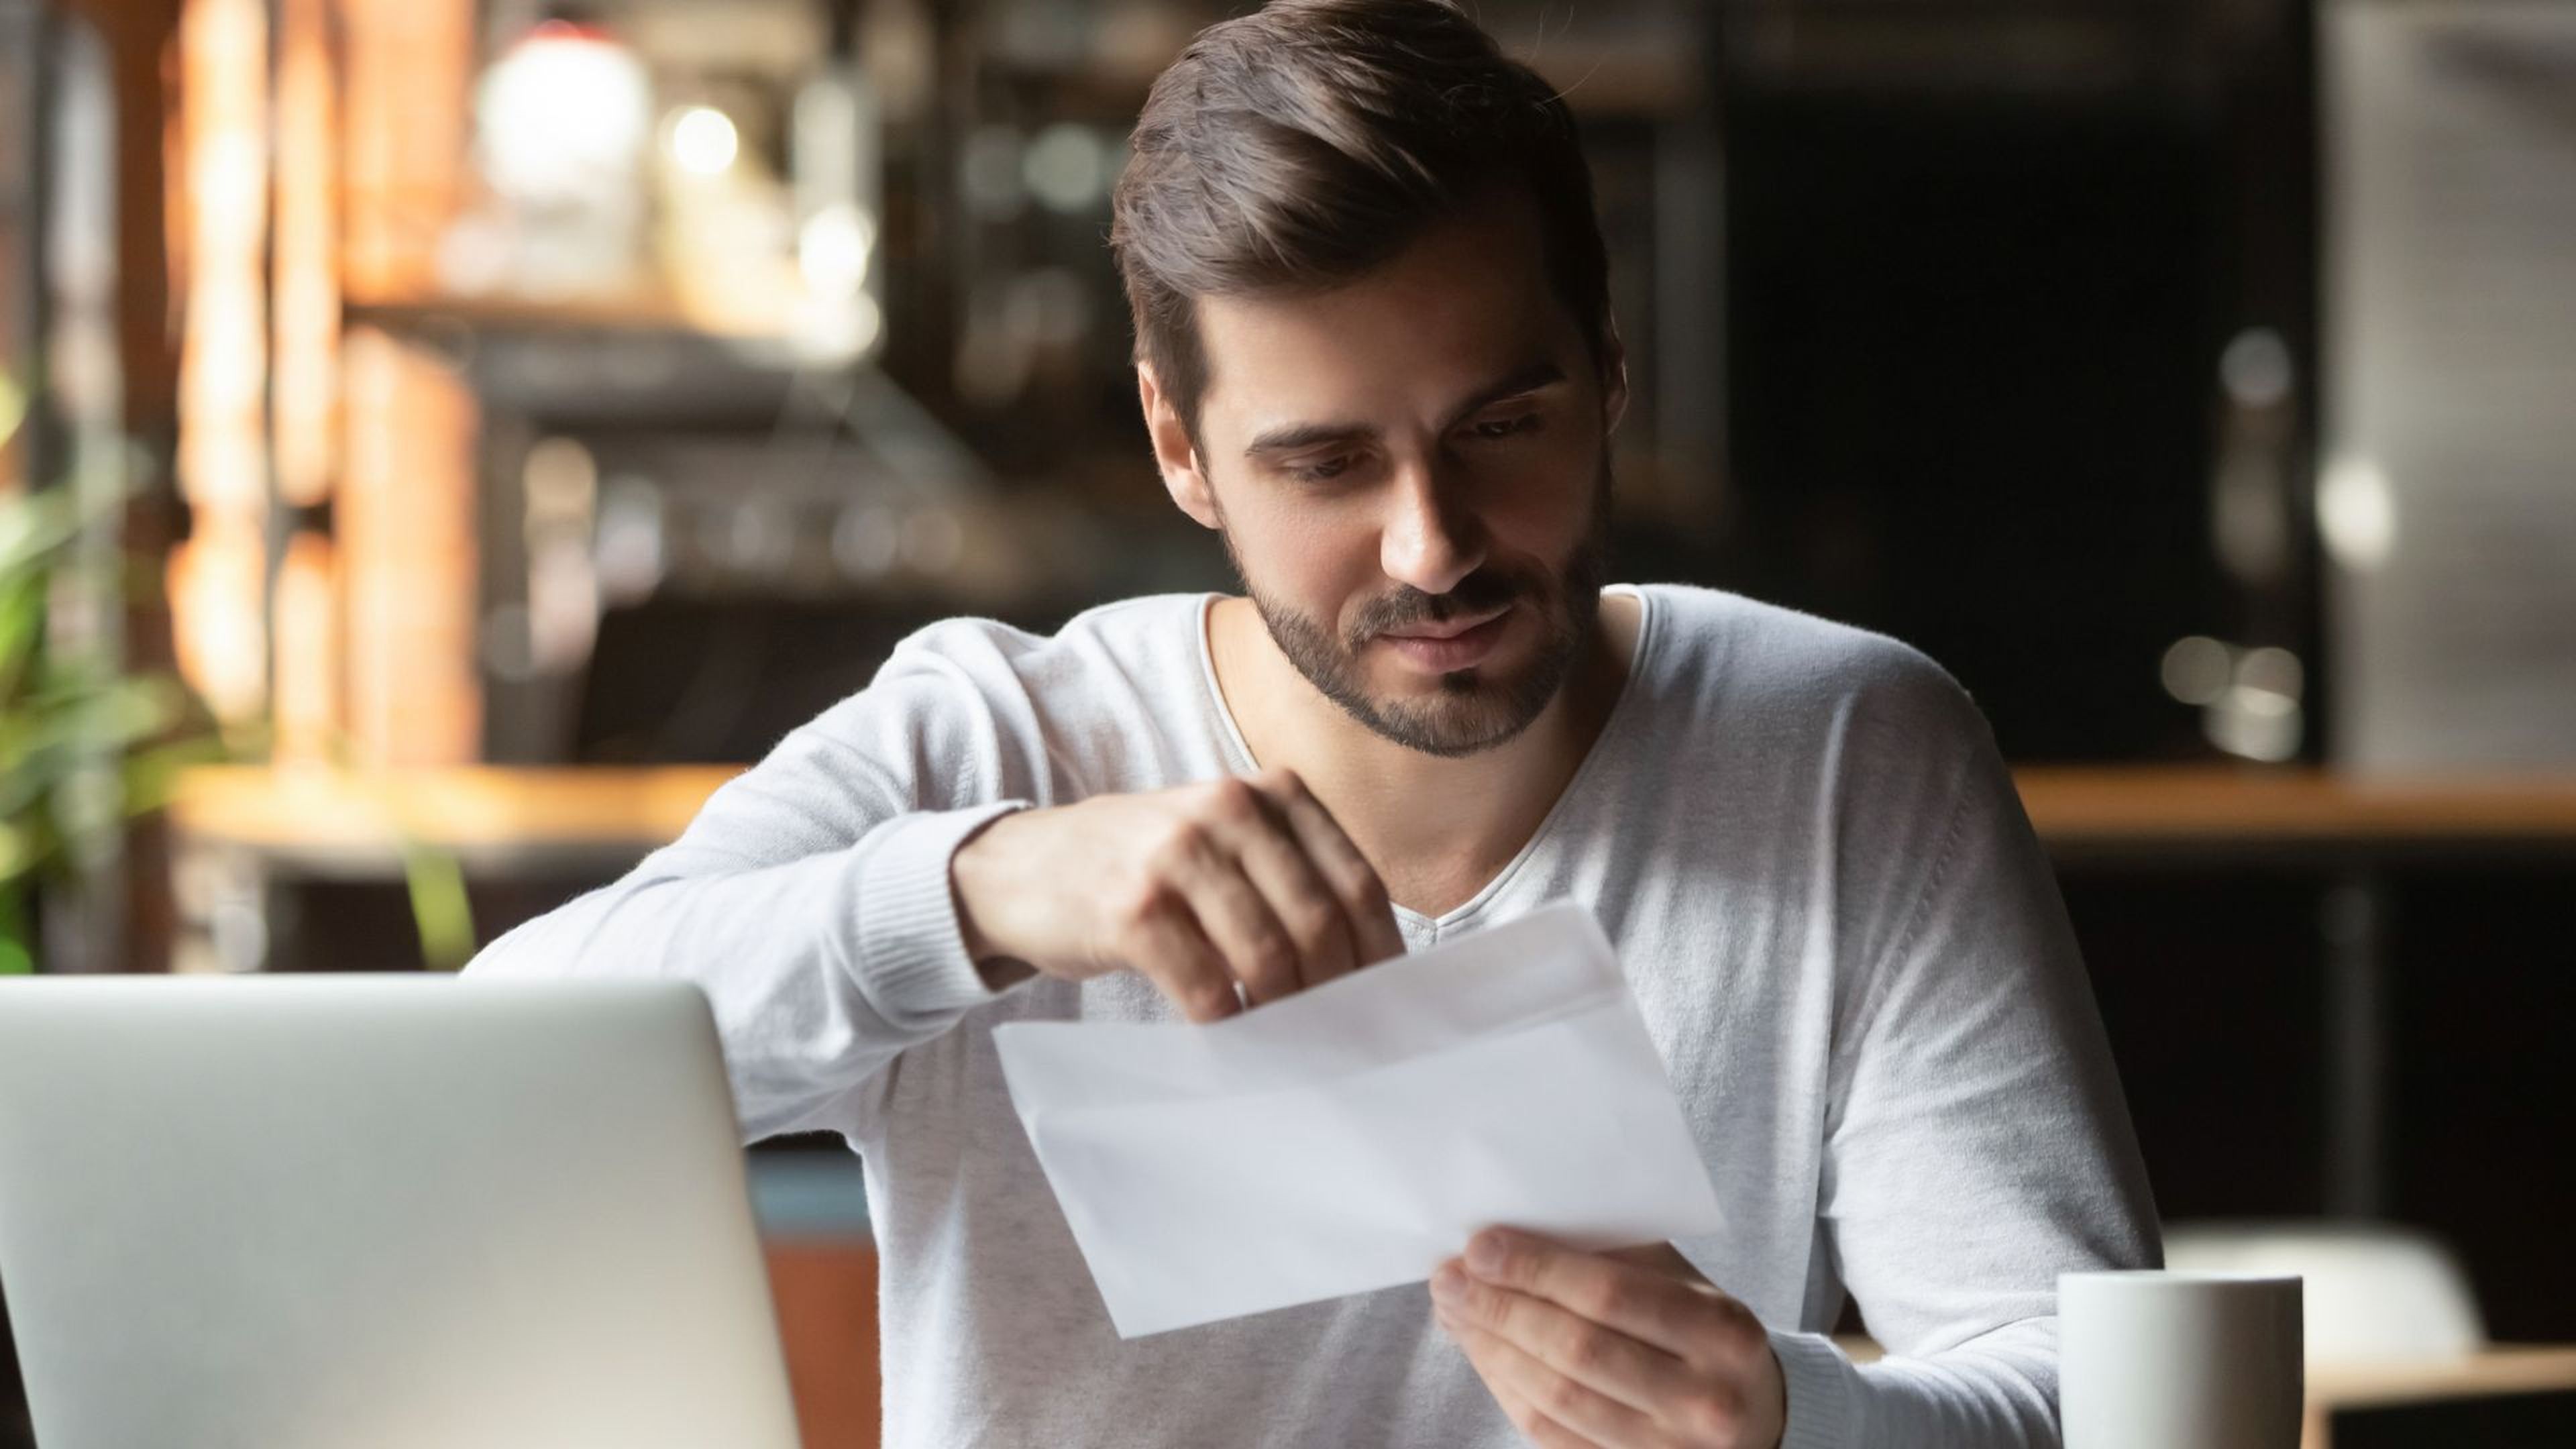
{"x": 1411, "y": 473}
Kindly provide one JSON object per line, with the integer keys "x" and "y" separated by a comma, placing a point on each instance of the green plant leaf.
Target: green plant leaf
{"x": 22, "y": 622}
{"x": 35, "y": 528}
{"x": 72, "y": 731}
{"x": 440, "y": 907}
{"x": 85, "y": 743}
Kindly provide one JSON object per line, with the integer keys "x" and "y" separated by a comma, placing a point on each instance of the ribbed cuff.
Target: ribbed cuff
{"x": 1822, "y": 1391}
{"x": 912, "y": 952}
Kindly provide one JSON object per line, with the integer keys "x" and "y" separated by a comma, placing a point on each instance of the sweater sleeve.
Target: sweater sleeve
{"x": 810, "y": 898}
{"x": 1977, "y": 1143}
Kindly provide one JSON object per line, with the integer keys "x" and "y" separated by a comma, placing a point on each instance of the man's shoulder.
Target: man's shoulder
{"x": 978, "y": 698}
{"x": 1721, "y": 660}
{"x": 1156, "y": 627}
{"x": 1726, "y": 640}
{"x": 1134, "y": 654}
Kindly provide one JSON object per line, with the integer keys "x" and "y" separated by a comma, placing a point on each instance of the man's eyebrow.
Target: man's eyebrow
{"x": 1530, "y": 378}
{"x": 1290, "y": 437}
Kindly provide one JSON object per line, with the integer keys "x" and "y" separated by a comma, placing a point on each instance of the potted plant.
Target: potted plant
{"x": 86, "y": 743}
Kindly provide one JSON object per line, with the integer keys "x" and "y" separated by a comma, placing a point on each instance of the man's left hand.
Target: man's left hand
{"x": 1586, "y": 1351}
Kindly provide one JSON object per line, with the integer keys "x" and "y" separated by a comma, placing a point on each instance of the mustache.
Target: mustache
{"x": 1480, "y": 592}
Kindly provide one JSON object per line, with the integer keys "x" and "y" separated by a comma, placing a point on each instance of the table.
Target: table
{"x": 2415, "y": 1404}
{"x": 2505, "y": 1396}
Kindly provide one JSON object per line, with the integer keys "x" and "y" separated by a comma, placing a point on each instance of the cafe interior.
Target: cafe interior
{"x": 442, "y": 440}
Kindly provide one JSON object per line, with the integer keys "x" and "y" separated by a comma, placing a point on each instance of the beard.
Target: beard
{"x": 1471, "y": 709}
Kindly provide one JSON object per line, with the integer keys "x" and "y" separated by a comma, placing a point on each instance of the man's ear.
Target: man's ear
{"x": 1614, "y": 377}
{"x": 1174, "y": 454}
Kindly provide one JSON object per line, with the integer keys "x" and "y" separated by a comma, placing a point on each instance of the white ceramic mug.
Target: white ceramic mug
{"x": 2179, "y": 1360}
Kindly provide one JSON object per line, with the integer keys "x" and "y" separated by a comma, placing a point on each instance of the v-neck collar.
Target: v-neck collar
{"x": 1239, "y": 752}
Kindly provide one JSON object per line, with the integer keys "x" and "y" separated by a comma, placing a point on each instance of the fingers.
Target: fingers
{"x": 1249, "y": 882}
{"x": 1712, "y": 1378}
{"x": 1552, "y": 1410}
{"x": 1368, "y": 914}
{"x": 1523, "y": 1415}
{"x": 1159, "y": 937}
{"x": 1279, "y": 886}
{"x": 1643, "y": 1303}
{"x": 1601, "y": 1360}
{"x": 1303, "y": 902}
{"x": 1204, "y": 863}
{"x": 1478, "y": 1347}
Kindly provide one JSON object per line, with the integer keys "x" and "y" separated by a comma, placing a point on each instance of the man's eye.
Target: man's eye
{"x": 1321, "y": 471}
{"x": 1493, "y": 428}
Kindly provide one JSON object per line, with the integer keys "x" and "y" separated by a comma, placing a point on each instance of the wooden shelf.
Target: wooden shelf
{"x": 496, "y": 814}
{"x": 639, "y": 312}
{"x": 498, "y": 817}
{"x": 2187, "y": 811}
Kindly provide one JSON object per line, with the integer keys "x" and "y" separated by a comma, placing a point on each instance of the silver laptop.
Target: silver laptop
{"x": 375, "y": 1212}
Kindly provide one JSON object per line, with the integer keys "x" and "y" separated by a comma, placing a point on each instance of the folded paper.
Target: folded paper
{"x": 1354, "y": 1136}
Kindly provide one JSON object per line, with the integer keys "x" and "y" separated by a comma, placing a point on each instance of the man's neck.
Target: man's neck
{"x": 1437, "y": 829}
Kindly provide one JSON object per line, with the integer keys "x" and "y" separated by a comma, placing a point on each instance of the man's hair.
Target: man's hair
{"x": 1295, "y": 148}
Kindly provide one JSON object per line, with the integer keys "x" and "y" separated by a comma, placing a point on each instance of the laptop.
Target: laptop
{"x": 379, "y": 1212}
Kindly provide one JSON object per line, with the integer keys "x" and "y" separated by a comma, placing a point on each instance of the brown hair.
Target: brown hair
{"x": 1295, "y": 148}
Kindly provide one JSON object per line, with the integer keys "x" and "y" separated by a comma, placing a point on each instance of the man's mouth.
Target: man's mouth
{"x": 1447, "y": 628}
{"x": 1451, "y": 644}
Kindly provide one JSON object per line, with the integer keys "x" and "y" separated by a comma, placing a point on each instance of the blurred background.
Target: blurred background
{"x": 441, "y": 438}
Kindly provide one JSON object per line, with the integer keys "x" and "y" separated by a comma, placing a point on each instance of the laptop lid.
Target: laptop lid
{"x": 317, "y": 1212}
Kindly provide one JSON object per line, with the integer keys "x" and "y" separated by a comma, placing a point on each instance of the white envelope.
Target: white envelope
{"x": 1354, "y": 1136}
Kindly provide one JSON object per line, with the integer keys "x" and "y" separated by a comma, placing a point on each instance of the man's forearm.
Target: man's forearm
{"x": 1998, "y": 1391}
{"x": 818, "y": 969}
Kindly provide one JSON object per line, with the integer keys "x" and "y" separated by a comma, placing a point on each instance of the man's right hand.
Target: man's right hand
{"x": 1245, "y": 881}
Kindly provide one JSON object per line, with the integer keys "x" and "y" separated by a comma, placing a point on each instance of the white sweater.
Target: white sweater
{"x": 1820, "y": 882}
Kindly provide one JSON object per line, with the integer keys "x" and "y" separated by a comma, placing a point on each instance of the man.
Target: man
{"x": 1375, "y": 354}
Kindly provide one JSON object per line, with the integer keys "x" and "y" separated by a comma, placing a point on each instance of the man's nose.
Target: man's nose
{"x": 1429, "y": 539}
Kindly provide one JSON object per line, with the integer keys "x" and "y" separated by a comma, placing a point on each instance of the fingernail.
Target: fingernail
{"x": 1448, "y": 1284}
{"x": 1485, "y": 1252}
